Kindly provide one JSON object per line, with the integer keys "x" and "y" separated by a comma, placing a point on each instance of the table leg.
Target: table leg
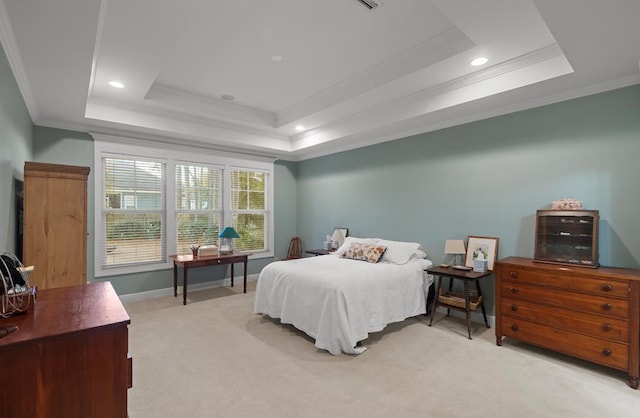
{"x": 245, "y": 276}
{"x": 232, "y": 275}
{"x": 434, "y": 306}
{"x": 450, "y": 289}
{"x": 184, "y": 283}
{"x": 484, "y": 310}
{"x": 175, "y": 280}
{"x": 467, "y": 307}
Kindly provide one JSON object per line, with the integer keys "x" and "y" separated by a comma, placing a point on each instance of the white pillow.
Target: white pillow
{"x": 399, "y": 252}
{"x": 350, "y": 240}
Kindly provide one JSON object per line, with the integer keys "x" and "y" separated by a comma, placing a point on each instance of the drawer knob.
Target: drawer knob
{"x": 513, "y": 274}
{"x": 607, "y": 306}
{"x": 514, "y": 307}
{"x": 607, "y": 327}
{"x": 607, "y": 287}
{"x": 514, "y": 290}
{"x": 514, "y": 327}
{"x": 607, "y": 352}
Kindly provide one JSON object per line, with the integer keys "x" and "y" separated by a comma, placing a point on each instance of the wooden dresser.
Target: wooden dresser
{"x": 55, "y": 224}
{"x": 69, "y": 356}
{"x": 592, "y": 314}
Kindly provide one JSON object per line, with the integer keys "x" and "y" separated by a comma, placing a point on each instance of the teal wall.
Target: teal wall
{"x": 487, "y": 178}
{"x": 15, "y": 148}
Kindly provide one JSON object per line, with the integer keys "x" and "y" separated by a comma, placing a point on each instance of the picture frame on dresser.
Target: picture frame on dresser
{"x": 487, "y": 245}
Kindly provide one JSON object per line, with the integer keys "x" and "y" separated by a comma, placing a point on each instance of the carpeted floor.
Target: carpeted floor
{"x": 215, "y": 358}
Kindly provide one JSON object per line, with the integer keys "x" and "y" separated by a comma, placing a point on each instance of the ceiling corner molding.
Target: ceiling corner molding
{"x": 96, "y": 48}
{"x": 162, "y": 96}
{"x": 446, "y": 44}
{"x": 514, "y": 64}
{"x": 10, "y": 47}
{"x": 184, "y": 126}
{"x": 153, "y": 141}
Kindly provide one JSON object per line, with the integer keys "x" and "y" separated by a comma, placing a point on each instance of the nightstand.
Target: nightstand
{"x": 460, "y": 302}
{"x": 319, "y": 252}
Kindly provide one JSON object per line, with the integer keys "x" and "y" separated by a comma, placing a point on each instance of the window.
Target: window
{"x": 249, "y": 209}
{"x": 198, "y": 205}
{"x": 137, "y": 181}
{"x": 133, "y": 212}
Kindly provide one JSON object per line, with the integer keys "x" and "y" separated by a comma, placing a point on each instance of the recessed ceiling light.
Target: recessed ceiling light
{"x": 479, "y": 61}
{"x": 228, "y": 97}
{"x": 277, "y": 58}
{"x": 116, "y": 84}
{"x": 299, "y": 128}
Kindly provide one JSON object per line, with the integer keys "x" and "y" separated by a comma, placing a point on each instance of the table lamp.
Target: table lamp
{"x": 337, "y": 238}
{"x": 454, "y": 247}
{"x": 226, "y": 240}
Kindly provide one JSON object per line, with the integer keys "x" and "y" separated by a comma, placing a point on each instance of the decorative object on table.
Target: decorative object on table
{"x": 295, "y": 249}
{"x": 16, "y": 295}
{"x": 207, "y": 250}
{"x": 4, "y": 331}
{"x": 568, "y": 237}
{"x": 226, "y": 240}
{"x": 485, "y": 248}
{"x": 327, "y": 244}
{"x": 480, "y": 264}
{"x": 566, "y": 204}
{"x": 339, "y": 234}
{"x": 454, "y": 247}
{"x": 194, "y": 250}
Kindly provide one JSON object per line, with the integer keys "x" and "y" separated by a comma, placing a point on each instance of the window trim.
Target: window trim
{"x": 173, "y": 154}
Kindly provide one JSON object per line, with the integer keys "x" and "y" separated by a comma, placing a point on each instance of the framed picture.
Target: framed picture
{"x": 488, "y": 246}
{"x": 344, "y": 231}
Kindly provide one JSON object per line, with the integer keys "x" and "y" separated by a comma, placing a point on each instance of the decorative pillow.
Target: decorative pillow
{"x": 348, "y": 241}
{"x": 371, "y": 253}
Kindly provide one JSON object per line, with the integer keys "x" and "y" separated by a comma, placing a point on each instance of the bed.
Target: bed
{"x": 338, "y": 299}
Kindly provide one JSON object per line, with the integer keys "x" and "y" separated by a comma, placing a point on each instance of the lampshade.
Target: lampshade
{"x": 337, "y": 235}
{"x": 454, "y": 246}
{"x": 228, "y": 232}
{"x": 226, "y": 240}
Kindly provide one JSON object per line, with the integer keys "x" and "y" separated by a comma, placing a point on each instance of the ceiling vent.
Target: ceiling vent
{"x": 369, "y": 4}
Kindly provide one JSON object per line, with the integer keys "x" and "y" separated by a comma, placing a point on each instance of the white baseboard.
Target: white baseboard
{"x": 168, "y": 291}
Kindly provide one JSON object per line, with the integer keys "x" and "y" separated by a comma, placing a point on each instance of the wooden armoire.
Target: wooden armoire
{"x": 55, "y": 224}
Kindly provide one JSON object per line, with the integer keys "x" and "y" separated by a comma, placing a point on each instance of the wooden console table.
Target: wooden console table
{"x": 189, "y": 261}
{"x": 68, "y": 357}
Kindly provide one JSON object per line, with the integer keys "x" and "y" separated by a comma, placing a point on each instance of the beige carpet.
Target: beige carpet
{"x": 215, "y": 358}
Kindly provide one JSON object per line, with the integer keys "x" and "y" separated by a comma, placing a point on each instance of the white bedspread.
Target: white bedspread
{"x": 338, "y": 301}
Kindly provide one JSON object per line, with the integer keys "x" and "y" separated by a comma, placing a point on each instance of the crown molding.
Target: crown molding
{"x": 7, "y": 38}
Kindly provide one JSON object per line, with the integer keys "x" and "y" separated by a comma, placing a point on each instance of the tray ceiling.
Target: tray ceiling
{"x": 243, "y": 75}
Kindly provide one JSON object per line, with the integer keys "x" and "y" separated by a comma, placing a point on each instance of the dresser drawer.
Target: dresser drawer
{"x": 596, "y": 325}
{"x": 594, "y": 349}
{"x": 562, "y": 280}
{"x": 618, "y": 308}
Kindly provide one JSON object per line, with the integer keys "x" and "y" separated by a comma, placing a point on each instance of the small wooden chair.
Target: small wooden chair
{"x": 295, "y": 250}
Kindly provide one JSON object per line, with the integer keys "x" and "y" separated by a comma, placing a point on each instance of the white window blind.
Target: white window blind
{"x": 199, "y": 209}
{"x": 249, "y": 209}
{"x": 133, "y": 215}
